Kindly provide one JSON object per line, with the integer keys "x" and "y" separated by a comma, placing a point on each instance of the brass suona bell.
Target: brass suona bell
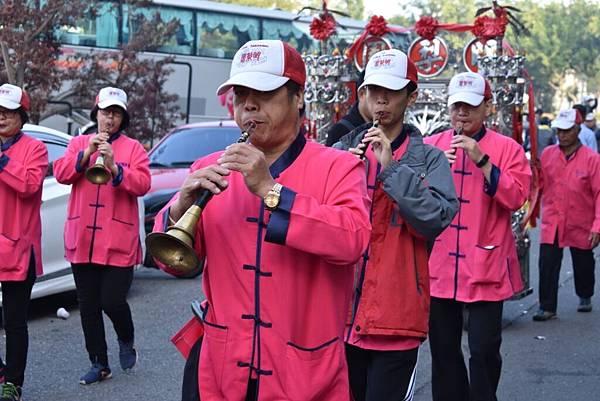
{"x": 98, "y": 173}
{"x": 175, "y": 247}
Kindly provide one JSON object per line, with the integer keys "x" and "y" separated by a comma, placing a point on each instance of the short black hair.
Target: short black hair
{"x": 24, "y": 116}
{"x": 411, "y": 87}
{"x": 293, "y": 88}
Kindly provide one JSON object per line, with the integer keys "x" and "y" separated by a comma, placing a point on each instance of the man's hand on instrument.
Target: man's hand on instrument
{"x": 469, "y": 145}
{"x": 594, "y": 239}
{"x": 211, "y": 178}
{"x": 251, "y": 162}
{"x": 381, "y": 145}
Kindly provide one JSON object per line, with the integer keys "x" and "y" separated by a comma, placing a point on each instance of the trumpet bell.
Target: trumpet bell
{"x": 98, "y": 174}
{"x": 175, "y": 248}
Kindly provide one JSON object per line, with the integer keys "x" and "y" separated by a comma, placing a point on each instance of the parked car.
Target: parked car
{"x": 57, "y": 275}
{"x": 171, "y": 158}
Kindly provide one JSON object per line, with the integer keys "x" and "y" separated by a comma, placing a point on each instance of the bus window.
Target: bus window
{"x": 101, "y": 31}
{"x": 181, "y": 42}
{"x": 221, "y": 35}
{"x": 288, "y": 32}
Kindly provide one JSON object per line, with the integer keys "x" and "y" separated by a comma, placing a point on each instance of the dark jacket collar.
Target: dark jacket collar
{"x": 480, "y": 134}
{"x": 287, "y": 158}
{"x": 11, "y": 141}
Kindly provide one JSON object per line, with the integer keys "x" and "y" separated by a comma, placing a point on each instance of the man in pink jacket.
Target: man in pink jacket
{"x": 474, "y": 261}
{"x": 277, "y": 291}
{"x": 23, "y": 165}
{"x": 570, "y": 214}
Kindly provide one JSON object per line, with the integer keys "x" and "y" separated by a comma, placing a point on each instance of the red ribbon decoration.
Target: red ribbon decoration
{"x": 377, "y": 26}
{"x": 322, "y": 27}
{"x": 533, "y": 211}
{"x": 427, "y": 27}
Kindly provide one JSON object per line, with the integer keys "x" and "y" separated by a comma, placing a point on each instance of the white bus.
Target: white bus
{"x": 208, "y": 37}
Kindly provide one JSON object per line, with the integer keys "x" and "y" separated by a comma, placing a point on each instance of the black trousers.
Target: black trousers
{"x": 15, "y": 308}
{"x": 549, "y": 265}
{"x": 381, "y": 375}
{"x": 450, "y": 381}
{"x": 103, "y": 288}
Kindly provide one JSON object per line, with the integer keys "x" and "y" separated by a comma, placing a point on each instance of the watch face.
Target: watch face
{"x": 271, "y": 200}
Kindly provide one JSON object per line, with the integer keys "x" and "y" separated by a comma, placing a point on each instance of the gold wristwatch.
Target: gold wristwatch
{"x": 272, "y": 197}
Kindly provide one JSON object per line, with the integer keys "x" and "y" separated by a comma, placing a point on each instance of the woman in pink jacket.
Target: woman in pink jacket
{"x": 474, "y": 262}
{"x": 101, "y": 232}
{"x": 23, "y": 165}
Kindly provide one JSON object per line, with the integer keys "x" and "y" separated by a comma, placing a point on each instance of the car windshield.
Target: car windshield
{"x": 183, "y": 147}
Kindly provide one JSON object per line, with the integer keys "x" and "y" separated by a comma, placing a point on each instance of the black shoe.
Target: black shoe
{"x": 585, "y": 305}
{"x": 543, "y": 315}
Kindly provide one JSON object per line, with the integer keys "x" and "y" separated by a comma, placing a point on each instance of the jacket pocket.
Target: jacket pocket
{"x": 72, "y": 232}
{"x": 124, "y": 237}
{"x": 488, "y": 264}
{"x": 214, "y": 350}
{"x": 9, "y": 252}
{"x": 313, "y": 373}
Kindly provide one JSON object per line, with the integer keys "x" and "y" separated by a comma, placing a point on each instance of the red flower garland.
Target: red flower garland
{"x": 322, "y": 27}
{"x": 427, "y": 27}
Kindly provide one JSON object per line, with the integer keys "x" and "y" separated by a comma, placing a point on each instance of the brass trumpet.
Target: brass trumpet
{"x": 98, "y": 173}
{"x": 175, "y": 247}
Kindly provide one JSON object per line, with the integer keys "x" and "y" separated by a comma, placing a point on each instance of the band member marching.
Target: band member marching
{"x": 102, "y": 228}
{"x": 413, "y": 197}
{"x": 474, "y": 262}
{"x": 23, "y": 165}
{"x": 276, "y": 290}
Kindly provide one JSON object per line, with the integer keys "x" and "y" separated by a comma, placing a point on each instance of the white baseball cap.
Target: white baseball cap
{"x": 390, "y": 69}
{"x": 111, "y": 97}
{"x": 12, "y": 97}
{"x": 590, "y": 117}
{"x": 265, "y": 65}
{"x": 566, "y": 119}
{"x": 470, "y": 88}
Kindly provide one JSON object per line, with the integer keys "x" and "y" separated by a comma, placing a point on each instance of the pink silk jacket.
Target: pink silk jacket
{"x": 278, "y": 284}
{"x": 475, "y": 259}
{"x": 102, "y": 224}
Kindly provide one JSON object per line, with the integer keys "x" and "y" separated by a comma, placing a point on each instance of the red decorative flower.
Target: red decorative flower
{"x": 377, "y": 26}
{"x": 322, "y": 27}
{"x": 486, "y": 28}
{"x": 427, "y": 27}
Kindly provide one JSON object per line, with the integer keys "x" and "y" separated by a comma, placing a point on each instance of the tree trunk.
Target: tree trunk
{"x": 9, "y": 68}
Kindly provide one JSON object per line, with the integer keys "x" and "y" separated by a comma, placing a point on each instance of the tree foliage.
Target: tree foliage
{"x": 29, "y": 46}
{"x": 30, "y": 51}
{"x": 152, "y": 110}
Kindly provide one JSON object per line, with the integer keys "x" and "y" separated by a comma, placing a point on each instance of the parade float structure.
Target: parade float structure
{"x": 329, "y": 90}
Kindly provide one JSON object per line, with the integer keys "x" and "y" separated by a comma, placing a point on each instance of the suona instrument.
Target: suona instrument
{"x": 175, "y": 247}
{"x": 375, "y": 125}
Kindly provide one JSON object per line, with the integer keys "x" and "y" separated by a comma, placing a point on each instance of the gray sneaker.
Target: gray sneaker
{"x": 543, "y": 315}
{"x": 585, "y": 305}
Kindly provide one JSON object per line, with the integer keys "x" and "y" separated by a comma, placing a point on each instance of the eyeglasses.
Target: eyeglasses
{"x": 113, "y": 112}
{"x": 6, "y": 113}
